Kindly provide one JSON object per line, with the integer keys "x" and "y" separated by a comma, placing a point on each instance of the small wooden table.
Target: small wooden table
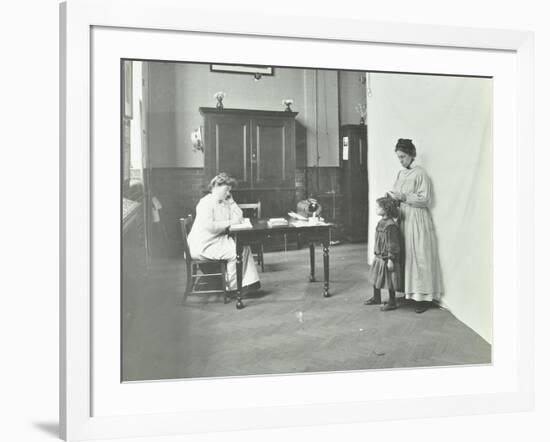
{"x": 314, "y": 233}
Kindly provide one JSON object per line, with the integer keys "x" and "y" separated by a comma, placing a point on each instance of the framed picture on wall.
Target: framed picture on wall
{"x": 157, "y": 402}
{"x": 242, "y": 69}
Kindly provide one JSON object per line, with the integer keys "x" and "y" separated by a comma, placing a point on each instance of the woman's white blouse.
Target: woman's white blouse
{"x": 212, "y": 219}
{"x": 415, "y": 185}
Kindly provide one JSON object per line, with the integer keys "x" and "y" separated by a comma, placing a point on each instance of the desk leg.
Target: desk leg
{"x": 326, "y": 267}
{"x": 240, "y": 304}
{"x": 311, "y": 262}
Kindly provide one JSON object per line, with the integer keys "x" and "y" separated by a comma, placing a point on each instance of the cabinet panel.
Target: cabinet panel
{"x": 232, "y": 149}
{"x": 273, "y": 153}
{"x": 228, "y": 147}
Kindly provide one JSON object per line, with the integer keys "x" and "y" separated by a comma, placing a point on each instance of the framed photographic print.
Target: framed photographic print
{"x": 336, "y": 228}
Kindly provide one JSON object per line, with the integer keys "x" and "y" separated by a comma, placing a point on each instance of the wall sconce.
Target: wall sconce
{"x": 196, "y": 140}
{"x": 368, "y": 84}
{"x": 257, "y": 76}
{"x": 365, "y": 81}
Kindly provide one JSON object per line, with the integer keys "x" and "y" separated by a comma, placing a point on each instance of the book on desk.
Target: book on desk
{"x": 277, "y": 222}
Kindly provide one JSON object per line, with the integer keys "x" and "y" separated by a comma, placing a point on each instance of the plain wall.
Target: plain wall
{"x": 321, "y": 117}
{"x": 177, "y": 90}
{"x": 450, "y": 121}
{"x": 352, "y": 93}
{"x": 164, "y": 149}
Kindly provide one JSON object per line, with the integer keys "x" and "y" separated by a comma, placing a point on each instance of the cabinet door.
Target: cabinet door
{"x": 228, "y": 147}
{"x": 273, "y": 157}
{"x": 355, "y": 183}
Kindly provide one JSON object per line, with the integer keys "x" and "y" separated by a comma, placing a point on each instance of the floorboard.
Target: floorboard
{"x": 287, "y": 327}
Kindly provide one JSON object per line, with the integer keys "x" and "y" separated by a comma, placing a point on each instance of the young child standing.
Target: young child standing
{"x": 386, "y": 271}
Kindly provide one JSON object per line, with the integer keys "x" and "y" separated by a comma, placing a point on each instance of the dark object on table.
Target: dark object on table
{"x": 309, "y": 207}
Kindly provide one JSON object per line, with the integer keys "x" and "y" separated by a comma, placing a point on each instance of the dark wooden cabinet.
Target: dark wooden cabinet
{"x": 353, "y": 157}
{"x": 227, "y": 147}
{"x": 256, "y": 147}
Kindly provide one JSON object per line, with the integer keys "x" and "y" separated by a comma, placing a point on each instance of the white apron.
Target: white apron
{"x": 208, "y": 239}
{"x": 422, "y": 270}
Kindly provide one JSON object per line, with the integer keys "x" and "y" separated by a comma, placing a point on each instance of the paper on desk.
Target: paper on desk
{"x": 308, "y": 224}
{"x": 297, "y": 216}
{"x": 299, "y": 223}
{"x": 246, "y": 224}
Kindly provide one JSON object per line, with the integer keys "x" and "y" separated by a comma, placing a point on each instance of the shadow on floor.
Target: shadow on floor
{"x": 51, "y": 428}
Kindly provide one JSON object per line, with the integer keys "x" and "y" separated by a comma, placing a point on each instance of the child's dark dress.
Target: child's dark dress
{"x": 387, "y": 245}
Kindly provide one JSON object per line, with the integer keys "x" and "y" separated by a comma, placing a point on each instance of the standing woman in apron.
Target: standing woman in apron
{"x": 413, "y": 190}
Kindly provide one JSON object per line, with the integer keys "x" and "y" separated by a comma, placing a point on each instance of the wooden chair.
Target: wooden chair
{"x": 204, "y": 265}
{"x": 257, "y": 247}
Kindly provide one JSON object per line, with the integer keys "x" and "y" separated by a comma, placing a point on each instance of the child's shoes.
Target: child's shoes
{"x": 373, "y": 301}
{"x": 389, "y": 306}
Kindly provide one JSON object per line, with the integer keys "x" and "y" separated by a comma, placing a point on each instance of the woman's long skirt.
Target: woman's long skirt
{"x": 422, "y": 271}
{"x": 224, "y": 248}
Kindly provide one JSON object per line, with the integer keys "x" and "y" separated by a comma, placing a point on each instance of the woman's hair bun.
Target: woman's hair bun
{"x": 222, "y": 179}
{"x": 406, "y": 145}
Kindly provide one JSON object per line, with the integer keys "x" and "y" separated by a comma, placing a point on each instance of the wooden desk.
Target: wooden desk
{"x": 308, "y": 234}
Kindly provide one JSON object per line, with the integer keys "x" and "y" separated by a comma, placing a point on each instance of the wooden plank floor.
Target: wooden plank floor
{"x": 288, "y": 327}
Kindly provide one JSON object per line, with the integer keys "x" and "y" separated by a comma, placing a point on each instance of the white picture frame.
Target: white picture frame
{"x": 78, "y": 377}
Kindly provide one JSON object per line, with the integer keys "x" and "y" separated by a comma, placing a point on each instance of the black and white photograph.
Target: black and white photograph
{"x": 285, "y": 220}
{"x": 264, "y": 221}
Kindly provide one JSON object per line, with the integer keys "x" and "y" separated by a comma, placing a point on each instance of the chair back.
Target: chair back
{"x": 185, "y": 224}
{"x": 256, "y": 207}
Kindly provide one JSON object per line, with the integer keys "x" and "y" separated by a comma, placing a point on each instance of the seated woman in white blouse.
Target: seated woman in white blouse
{"x": 208, "y": 238}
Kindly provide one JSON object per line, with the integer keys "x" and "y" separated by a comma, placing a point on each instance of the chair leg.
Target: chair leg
{"x": 223, "y": 268}
{"x": 261, "y": 255}
{"x": 197, "y": 280}
{"x": 188, "y": 287}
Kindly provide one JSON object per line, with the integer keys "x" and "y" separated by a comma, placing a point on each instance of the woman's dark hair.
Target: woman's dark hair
{"x": 405, "y": 145}
{"x": 222, "y": 179}
{"x": 389, "y": 205}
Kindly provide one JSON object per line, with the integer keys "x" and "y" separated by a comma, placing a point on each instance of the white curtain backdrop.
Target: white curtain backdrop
{"x": 449, "y": 120}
